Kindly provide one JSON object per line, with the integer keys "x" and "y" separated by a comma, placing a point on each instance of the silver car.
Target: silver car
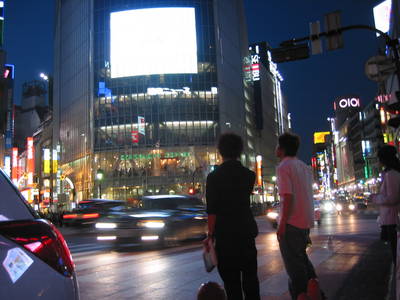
{"x": 35, "y": 262}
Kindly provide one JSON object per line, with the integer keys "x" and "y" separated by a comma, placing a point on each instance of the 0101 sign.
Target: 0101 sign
{"x": 348, "y": 102}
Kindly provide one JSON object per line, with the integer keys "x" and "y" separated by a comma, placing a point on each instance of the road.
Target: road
{"x": 176, "y": 273}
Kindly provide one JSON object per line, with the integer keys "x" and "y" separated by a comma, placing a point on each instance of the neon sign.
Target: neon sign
{"x": 348, "y": 103}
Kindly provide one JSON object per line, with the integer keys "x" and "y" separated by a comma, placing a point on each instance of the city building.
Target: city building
{"x": 142, "y": 91}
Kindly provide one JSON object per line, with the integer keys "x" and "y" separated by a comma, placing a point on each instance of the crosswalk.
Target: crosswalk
{"x": 88, "y": 247}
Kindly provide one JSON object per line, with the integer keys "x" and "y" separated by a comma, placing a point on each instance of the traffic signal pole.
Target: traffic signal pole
{"x": 391, "y": 43}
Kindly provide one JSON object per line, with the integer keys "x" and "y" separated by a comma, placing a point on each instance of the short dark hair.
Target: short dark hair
{"x": 289, "y": 143}
{"x": 230, "y": 145}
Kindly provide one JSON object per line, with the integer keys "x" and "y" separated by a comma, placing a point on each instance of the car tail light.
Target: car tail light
{"x": 70, "y": 216}
{"x": 43, "y": 239}
{"x": 91, "y": 216}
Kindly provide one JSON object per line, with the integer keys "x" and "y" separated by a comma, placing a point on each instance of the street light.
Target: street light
{"x": 44, "y": 76}
{"x": 99, "y": 177}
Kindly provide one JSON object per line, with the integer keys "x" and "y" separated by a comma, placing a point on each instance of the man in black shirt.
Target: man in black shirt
{"x": 231, "y": 222}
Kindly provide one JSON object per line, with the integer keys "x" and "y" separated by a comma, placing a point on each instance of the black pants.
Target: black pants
{"x": 298, "y": 266}
{"x": 237, "y": 266}
{"x": 389, "y": 234}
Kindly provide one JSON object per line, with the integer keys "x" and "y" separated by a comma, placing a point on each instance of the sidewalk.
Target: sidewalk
{"x": 349, "y": 267}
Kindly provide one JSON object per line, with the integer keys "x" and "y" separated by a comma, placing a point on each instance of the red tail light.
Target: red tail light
{"x": 73, "y": 216}
{"x": 43, "y": 240}
{"x": 91, "y": 216}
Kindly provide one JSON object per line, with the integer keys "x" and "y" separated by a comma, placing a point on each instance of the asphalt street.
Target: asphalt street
{"x": 350, "y": 261}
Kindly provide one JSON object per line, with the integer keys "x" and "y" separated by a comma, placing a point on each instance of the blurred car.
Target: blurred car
{"x": 36, "y": 262}
{"x": 161, "y": 219}
{"x": 88, "y": 211}
{"x": 273, "y": 214}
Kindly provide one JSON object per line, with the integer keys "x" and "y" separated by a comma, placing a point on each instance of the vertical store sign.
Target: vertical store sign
{"x": 255, "y": 67}
{"x": 259, "y": 170}
{"x": 141, "y": 125}
{"x": 7, "y": 165}
{"x": 14, "y": 172}
{"x": 55, "y": 160}
{"x": 135, "y": 136}
{"x": 31, "y": 161}
{"x": 46, "y": 161}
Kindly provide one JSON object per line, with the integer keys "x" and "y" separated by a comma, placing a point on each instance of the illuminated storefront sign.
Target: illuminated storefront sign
{"x": 255, "y": 67}
{"x": 135, "y": 136}
{"x": 46, "y": 161}
{"x": 14, "y": 165}
{"x": 259, "y": 170}
{"x": 31, "y": 160}
{"x": 348, "y": 103}
{"x": 319, "y": 137}
{"x": 156, "y": 155}
{"x": 7, "y": 165}
{"x": 55, "y": 161}
{"x": 141, "y": 125}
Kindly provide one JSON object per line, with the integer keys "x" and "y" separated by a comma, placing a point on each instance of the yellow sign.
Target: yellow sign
{"x": 319, "y": 137}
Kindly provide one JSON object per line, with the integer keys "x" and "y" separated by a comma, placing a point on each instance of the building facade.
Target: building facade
{"x": 142, "y": 91}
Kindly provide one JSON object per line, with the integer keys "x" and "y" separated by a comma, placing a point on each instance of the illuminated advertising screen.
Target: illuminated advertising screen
{"x": 382, "y": 16}
{"x": 319, "y": 137}
{"x": 153, "y": 41}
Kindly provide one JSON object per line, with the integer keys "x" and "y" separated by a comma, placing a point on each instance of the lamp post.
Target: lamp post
{"x": 53, "y": 152}
{"x": 99, "y": 177}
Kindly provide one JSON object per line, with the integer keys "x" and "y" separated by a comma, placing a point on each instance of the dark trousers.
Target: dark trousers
{"x": 298, "y": 266}
{"x": 237, "y": 266}
{"x": 389, "y": 234}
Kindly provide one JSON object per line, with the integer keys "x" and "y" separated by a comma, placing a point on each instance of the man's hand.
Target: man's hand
{"x": 281, "y": 231}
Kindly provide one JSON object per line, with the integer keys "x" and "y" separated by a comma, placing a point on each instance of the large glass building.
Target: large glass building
{"x": 143, "y": 89}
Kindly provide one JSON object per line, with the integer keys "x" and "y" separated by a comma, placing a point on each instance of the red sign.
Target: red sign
{"x": 31, "y": 160}
{"x": 14, "y": 162}
{"x": 135, "y": 136}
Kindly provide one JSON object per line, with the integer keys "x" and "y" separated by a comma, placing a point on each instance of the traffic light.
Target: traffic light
{"x": 191, "y": 191}
{"x": 290, "y": 52}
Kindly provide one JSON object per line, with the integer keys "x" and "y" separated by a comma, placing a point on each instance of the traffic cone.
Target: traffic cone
{"x": 313, "y": 291}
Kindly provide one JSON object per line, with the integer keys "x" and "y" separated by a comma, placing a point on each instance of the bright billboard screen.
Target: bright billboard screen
{"x": 153, "y": 41}
{"x": 382, "y": 16}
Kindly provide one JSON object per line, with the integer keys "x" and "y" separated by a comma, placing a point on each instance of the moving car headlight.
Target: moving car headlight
{"x": 272, "y": 215}
{"x": 151, "y": 224}
{"x": 352, "y": 206}
{"x": 328, "y": 207}
{"x": 339, "y": 207}
{"x": 105, "y": 225}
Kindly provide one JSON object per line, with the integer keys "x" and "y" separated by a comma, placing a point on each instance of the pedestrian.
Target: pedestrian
{"x": 389, "y": 197}
{"x": 294, "y": 179}
{"x": 211, "y": 291}
{"x": 230, "y": 221}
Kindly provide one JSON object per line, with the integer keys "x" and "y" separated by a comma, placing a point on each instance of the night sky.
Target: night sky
{"x": 310, "y": 85}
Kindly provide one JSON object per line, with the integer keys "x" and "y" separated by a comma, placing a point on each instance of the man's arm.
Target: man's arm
{"x": 286, "y": 205}
{"x": 211, "y": 199}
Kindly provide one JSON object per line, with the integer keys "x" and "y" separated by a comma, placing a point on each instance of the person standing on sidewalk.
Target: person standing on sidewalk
{"x": 389, "y": 197}
{"x": 231, "y": 222}
{"x": 296, "y": 218}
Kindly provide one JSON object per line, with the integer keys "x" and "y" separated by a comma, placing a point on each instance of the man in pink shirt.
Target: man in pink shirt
{"x": 296, "y": 218}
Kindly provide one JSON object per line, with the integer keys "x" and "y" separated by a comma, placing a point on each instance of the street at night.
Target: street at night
{"x": 199, "y": 149}
{"x": 130, "y": 272}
